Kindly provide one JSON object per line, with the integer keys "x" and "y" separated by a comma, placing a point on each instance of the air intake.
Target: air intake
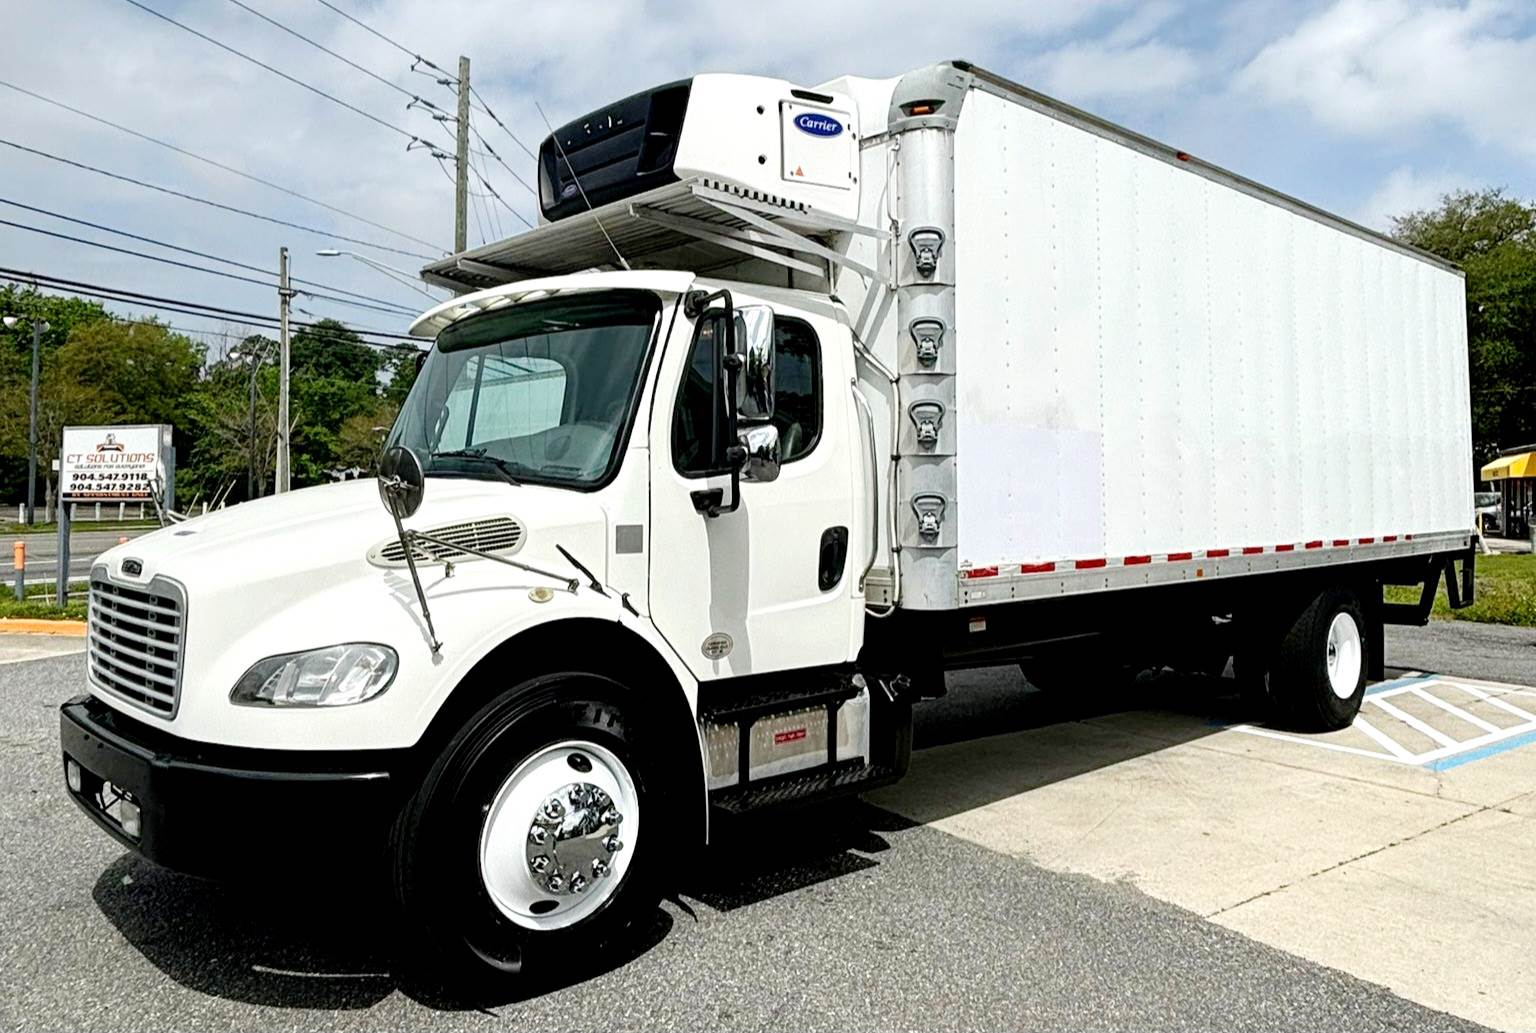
{"x": 499, "y": 536}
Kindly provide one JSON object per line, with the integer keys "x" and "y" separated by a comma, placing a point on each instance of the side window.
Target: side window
{"x": 700, "y": 420}
{"x": 797, "y": 387}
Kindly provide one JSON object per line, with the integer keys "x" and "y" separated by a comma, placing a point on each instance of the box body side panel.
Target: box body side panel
{"x": 1156, "y": 363}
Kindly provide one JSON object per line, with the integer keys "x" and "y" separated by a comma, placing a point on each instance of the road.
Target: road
{"x": 84, "y": 547}
{"x": 1048, "y": 864}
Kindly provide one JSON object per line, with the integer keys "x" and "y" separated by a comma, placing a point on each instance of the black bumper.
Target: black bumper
{"x": 223, "y": 811}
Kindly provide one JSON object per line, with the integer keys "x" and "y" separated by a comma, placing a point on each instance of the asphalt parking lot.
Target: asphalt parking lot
{"x": 1151, "y": 861}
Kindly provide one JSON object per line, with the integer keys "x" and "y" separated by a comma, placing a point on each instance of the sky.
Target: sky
{"x": 1368, "y": 108}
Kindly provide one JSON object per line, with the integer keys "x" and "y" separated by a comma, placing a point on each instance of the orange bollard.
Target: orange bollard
{"x": 19, "y": 560}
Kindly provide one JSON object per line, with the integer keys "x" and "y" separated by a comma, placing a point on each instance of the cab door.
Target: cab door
{"x": 770, "y": 586}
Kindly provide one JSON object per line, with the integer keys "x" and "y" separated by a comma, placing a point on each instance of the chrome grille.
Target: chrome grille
{"x": 134, "y": 641}
{"x": 495, "y": 535}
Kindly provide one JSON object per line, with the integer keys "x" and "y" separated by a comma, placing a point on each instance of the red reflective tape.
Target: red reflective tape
{"x": 1407, "y": 537}
{"x": 1217, "y": 554}
{"x": 1089, "y": 564}
{"x": 1133, "y": 560}
{"x": 794, "y": 735}
{"x": 979, "y": 572}
{"x": 1284, "y": 548}
{"x": 1315, "y": 545}
{"x": 1337, "y": 542}
{"x": 1175, "y": 557}
{"x": 1036, "y": 568}
{"x": 1389, "y": 537}
{"x": 1367, "y": 541}
{"x": 1252, "y": 550}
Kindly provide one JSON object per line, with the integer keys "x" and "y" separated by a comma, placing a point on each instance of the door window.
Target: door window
{"x": 700, "y": 420}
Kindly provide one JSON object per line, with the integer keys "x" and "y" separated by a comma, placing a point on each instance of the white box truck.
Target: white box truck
{"x": 794, "y": 400}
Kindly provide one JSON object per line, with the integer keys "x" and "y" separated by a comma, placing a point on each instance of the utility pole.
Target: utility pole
{"x": 250, "y": 466}
{"x": 284, "y": 295}
{"x": 461, "y": 165}
{"x": 37, "y": 343}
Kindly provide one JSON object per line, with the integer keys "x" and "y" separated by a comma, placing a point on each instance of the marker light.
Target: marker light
{"x": 334, "y": 676}
{"x": 72, "y": 775}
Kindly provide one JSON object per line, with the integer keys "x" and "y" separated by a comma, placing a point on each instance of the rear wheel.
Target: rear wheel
{"x": 524, "y": 846}
{"x": 1319, "y": 674}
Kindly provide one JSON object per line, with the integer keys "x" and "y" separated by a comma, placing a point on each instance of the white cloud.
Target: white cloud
{"x": 1088, "y": 71}
{"x": 1384, "y": 67}
{"x": 1406, "y": 190}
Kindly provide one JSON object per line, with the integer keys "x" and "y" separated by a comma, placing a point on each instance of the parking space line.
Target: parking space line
{"x": 1454, "y": 710}
{"x": 1414, "y": 723}
{"x": 1383, "y": 739}
{"x": 1449, "y": 753}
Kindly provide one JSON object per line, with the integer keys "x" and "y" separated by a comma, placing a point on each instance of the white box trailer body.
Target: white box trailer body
{"x": 1156, "y": 363}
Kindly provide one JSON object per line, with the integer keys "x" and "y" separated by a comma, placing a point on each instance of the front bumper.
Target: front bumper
{"x": 223, "y": 811}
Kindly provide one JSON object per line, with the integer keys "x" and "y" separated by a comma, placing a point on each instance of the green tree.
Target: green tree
{"x": 143, "y": 370}
{"x": 231, "y": 419}
{"x": 1493, "y": 238}
{"x": 63, "y": 315}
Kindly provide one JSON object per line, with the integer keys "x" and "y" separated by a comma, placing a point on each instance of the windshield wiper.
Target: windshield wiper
{"x": 502, "y": 466}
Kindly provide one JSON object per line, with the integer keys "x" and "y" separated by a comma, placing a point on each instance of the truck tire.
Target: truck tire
{"x": 1319, "y": 673}
{"x": 522, "y": 849}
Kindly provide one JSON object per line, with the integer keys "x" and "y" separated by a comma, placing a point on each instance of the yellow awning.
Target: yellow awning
{"x": 1521, "y": 464}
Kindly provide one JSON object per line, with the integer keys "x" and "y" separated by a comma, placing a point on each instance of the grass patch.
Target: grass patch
{"x": 1505, "y": 592}
{"x": 11, "y": 527}
{"x": 35, "y": 608}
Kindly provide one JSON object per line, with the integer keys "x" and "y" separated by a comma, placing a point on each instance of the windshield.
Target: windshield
{"x": 538, "y": 392}
{"x": 1487, "y": 498}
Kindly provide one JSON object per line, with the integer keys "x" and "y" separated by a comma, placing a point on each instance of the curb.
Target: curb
{"x": 27, "y": 626}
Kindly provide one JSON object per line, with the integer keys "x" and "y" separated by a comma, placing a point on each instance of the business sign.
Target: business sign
{"x": 116, "y": 464}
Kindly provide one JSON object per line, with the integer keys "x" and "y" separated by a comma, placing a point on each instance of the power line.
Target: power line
{"x": 407, "y": 51}
{"x": 325, "y": 49}
{"x": 212, "y": 204}
{"x": 217, "y": 164}
{"x": 401, "y": 311}
{"x": 280, "y": 74}
{"x": 23, "y": 276}
{"x": 504, "y": 128}
{"x": 196, "y": 253}
{"x": 492, "y": 152}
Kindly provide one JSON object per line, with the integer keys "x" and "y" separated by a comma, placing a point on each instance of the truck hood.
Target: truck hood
{"x": 280, "y": 549}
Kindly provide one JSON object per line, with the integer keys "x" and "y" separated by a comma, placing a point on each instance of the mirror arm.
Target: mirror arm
{"x": 410, "y": 562}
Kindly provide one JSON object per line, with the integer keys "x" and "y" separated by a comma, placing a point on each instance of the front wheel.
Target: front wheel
{"x": 524, "y": 845}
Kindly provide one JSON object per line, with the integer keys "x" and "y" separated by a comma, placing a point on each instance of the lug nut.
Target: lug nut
{"x": 554, "y": 809}
{"x": 578, "y": 883}
{"x": 540, "y": 865}
{"x": 612, "y": 817}
{"x": 578, "y": 797}
{"x": 613, "y": 844}
{"x": 538, "y": 835}
{"x": 555, "y": 883}
{"x": 599, "y": 868}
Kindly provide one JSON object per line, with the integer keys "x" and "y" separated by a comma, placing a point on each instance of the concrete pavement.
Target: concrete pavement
{"x": 1387, "y": 853}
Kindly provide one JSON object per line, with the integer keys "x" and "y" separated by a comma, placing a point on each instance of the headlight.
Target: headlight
{"x": 331, "y": 677}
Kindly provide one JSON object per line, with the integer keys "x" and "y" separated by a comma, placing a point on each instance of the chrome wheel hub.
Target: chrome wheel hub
{"x": 559, "y": 835}
{"x": 572, "y": 838}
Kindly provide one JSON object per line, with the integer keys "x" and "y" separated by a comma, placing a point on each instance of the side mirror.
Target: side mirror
{"x": 760, "y": 442}
{"x": 401, "y": 482}
{"x": 754, "y": 343}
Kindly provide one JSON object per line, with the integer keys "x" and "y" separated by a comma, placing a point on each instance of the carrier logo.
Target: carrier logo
{"x": 818, "y": 125}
